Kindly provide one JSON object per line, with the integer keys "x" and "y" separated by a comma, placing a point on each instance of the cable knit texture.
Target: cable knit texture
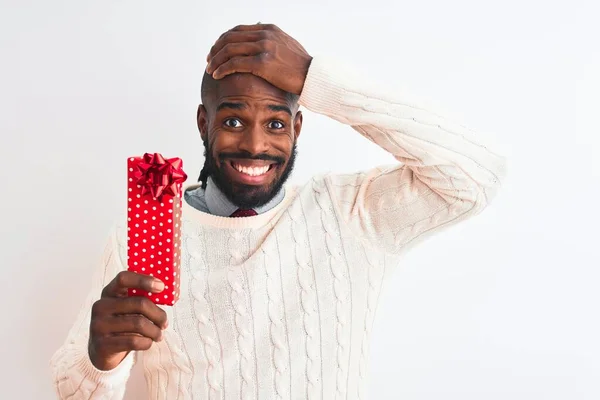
{"x": 308, "y": 301}
{"x": 201, "y": 313}
{"x": 281, "y": 305}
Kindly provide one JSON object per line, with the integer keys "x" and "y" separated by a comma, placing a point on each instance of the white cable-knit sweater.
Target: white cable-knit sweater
{"x": 280, "y": 305}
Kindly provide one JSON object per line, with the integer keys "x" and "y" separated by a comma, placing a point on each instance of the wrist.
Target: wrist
{"x": 103, "y": 363}
{"x": 305, "y": 69}
{"x": 105, "y": 378}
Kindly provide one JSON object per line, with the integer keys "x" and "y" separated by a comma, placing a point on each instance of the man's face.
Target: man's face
{"x": 250, "y": 131}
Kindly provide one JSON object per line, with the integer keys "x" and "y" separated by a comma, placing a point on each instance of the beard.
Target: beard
{"x": 247, "y": 196}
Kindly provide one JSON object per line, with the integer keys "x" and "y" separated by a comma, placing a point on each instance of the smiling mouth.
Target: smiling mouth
{"x": 254, "y": 171}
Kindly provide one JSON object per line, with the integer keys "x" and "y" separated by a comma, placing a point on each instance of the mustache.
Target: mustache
{"x": 248, "y": 156}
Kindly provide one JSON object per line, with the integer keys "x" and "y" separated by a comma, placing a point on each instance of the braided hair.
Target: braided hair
{"x": 207, "y": 91}
{"x": 205, "y": 172}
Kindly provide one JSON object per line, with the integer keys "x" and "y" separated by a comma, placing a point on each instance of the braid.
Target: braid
{"x": 203, "y": 176}
{"x": 205, "y": 173}
{"x": 207, "y": 90}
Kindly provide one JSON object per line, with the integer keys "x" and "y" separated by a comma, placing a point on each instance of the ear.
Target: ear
{"x": 297, "y": 124}
{"x": 202, "y": 121}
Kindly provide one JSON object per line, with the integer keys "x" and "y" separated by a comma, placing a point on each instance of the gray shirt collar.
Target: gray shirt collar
{"x": 218, "y": 204}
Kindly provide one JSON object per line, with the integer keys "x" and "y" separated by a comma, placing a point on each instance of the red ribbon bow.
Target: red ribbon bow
{"x": 160, "y": 176}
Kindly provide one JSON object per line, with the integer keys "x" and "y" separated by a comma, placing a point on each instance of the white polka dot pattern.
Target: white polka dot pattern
{"x": 153, "y": 237}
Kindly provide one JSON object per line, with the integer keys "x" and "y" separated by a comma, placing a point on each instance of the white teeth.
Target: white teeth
{"x": 252, "y": 171}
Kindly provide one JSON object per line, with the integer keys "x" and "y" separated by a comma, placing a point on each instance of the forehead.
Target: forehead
{"x": 248, "y": 88}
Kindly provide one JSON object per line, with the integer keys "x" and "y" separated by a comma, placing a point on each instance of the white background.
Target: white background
{"x": 504, "y": 306}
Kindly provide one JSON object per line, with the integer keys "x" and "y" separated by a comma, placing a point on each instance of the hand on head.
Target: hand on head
{"x": 263, "y": 50}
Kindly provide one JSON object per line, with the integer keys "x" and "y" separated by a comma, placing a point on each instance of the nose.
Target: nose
{"x": 254, "y": 141}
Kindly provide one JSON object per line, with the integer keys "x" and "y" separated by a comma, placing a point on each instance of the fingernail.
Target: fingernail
{"x": 166, "y": 324}
{"x": 158, "y": 285}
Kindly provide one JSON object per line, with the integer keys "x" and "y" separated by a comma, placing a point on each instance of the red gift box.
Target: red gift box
{"x": 154, "y": 222}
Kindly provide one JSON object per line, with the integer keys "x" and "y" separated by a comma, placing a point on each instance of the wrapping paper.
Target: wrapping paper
{"x": 154, "y": 222}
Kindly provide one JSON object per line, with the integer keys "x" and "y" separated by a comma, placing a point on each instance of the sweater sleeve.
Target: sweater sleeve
{"x": 443, "y": 175}
{"x": 74, "y": 375}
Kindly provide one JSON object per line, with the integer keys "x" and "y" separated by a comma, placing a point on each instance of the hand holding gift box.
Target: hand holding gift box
{"x": 154, "y": 222}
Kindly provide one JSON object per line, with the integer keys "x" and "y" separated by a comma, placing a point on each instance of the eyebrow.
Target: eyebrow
{"x": 232, "y": 106}
{"x": 278, "y": 108}
{"x": 241, "y": 106}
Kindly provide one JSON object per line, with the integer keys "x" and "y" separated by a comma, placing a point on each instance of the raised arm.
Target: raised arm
{"x": 444, "y": 174}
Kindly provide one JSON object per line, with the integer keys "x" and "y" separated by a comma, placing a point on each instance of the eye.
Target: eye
{"x": 232, "y": 123}
{"x": 276, "y": 125}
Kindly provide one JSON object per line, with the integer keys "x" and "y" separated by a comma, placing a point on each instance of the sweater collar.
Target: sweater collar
{"x": 207, "y": 218}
